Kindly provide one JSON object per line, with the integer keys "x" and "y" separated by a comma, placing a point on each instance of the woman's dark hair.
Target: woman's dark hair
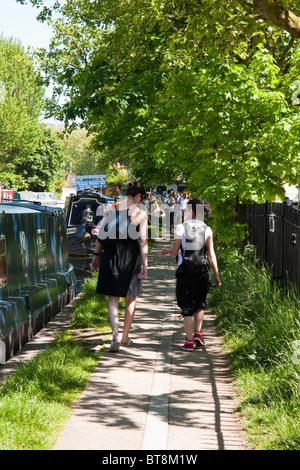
{"x": 135, "y": 188}
{"x": 195, "y": 202}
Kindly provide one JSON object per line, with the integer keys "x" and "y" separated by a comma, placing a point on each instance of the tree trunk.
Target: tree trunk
{"x": 278, "y": 15}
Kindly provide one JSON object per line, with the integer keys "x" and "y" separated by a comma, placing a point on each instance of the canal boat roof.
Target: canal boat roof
{"x": 24, "y": 207}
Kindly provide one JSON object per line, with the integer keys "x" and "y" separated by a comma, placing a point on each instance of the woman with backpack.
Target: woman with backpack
{"x": 193, "y": 244}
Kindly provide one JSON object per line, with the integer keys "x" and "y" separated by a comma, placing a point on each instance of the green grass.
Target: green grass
{"x": 91, "y": 308}
{"x": 260, "y": 323}
{"x": 35, "y": 401}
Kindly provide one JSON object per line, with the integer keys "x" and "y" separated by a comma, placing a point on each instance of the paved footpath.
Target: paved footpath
{"x": 153, "y": 396}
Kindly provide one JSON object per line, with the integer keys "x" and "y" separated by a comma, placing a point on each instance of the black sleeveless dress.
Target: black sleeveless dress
{"x": 120, "y": 264}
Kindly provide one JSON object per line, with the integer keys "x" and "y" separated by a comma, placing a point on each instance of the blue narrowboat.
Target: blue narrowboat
{"x": 36, "y": 278}
{"x": 84, "y": 211}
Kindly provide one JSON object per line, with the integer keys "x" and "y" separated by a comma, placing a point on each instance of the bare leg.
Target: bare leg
{"x": 128, "y": 317}
{"x": 193, "y": 323}
{"x": 188, "y": 326}
{"x": 198, "y": 319}
{"x": 113, "y": 316}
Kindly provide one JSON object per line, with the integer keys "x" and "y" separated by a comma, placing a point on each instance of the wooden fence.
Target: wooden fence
{"x": 274, "y": 229}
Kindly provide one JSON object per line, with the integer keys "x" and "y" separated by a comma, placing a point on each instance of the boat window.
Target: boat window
{"x": 41, "y": 249}
{"x": 79, "y": 208}
{"x": 3, "y": 275}
{"x": 23, "y": 252}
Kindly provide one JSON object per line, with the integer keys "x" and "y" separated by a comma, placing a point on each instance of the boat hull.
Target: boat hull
{"x": 36, "y": 278}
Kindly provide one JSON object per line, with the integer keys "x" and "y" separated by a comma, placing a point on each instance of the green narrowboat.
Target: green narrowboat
{"x": 36, "y": 278}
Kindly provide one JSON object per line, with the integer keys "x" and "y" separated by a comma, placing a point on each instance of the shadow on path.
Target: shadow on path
{"x": 153, "y": 395}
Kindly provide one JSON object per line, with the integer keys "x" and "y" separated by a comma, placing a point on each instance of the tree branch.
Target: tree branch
{"x": 271, "y": 11}
{"x": 286, "y": 51}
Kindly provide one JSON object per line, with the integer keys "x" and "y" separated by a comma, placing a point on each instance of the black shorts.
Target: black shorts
{"x": 191, "y": 292}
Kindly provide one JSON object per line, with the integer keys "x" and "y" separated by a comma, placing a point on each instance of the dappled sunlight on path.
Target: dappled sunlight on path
{"x": 153, "y": 395}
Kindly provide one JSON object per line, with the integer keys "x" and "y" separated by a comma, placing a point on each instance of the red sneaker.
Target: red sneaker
{"x": 198, "y": 339}
{"x": 188, "y": 345}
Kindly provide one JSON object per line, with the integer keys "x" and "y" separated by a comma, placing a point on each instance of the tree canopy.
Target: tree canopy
{"x": 20, "y": 105}
{"x": 205, "y": 90}
{"x": 29, "y": 156}
{"x": 43, "y": 167}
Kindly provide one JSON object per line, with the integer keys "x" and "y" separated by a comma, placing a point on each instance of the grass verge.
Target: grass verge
{"x": 35, "y": 400}
{"x": 261, "y": 326}
{"x": 91, "y": 308}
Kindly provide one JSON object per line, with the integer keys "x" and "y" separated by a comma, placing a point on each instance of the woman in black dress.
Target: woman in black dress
{"x": 124, "y": 260}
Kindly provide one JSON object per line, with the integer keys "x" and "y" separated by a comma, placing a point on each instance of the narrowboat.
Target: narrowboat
{"x": 36, "y": 278}
{"x": 84, "y": 211}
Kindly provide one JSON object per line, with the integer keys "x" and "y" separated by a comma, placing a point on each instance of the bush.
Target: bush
{"x": 260, "y": 322}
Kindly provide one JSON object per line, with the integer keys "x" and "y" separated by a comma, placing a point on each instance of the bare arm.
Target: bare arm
{"x": 96, "y": 258}
{"x": 174, "y": 250}
{"x": 213, "y": 259}
{"x": 144, "y": 245}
